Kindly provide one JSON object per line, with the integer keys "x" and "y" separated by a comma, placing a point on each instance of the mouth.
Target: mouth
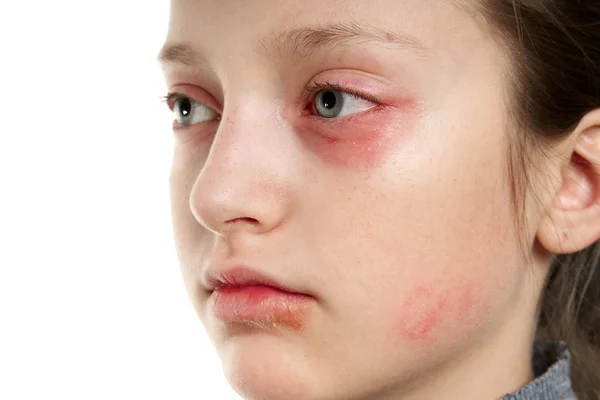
{"x": 244, "y": 296}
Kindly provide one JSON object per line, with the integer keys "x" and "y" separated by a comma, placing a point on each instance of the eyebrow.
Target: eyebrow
{"x": 302, "y": 42}
{"x": 180, "y": 53}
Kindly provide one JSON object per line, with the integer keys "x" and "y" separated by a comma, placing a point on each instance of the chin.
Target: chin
{"x": 267, "y": 367}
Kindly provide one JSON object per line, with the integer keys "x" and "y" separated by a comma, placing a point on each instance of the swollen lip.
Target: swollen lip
{"x": 261, "y": 305}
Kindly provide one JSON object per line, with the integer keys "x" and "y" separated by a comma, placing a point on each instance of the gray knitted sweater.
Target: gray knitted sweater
{"x": 551, "y": 367}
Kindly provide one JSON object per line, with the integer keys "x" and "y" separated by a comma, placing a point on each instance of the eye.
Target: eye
{"x": 335, "y": 103}
{"x": 188, "y": 112}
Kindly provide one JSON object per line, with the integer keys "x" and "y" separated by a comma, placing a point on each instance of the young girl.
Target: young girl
{"x": 391, "y": 199}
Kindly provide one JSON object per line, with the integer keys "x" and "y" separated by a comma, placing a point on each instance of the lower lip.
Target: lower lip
{"x": 260, "y": 305}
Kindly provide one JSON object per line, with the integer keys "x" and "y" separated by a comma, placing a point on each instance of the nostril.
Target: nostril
{"x": 238, "y": 225}
{"x": 247, "y": 220}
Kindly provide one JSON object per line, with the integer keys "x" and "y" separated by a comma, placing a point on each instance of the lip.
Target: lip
{"x": 240, "y": 295}
{"x": 242, "y": 276}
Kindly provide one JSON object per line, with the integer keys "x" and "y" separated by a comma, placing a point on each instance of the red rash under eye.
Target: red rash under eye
{"x": 358, "y": 141}
{"x": 365, "y": 153}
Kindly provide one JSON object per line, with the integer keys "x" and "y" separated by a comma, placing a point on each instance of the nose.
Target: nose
{"x": 245, "y": 184}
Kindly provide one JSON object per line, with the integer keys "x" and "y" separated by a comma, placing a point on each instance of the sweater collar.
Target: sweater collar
{"x": 551, "y": 366}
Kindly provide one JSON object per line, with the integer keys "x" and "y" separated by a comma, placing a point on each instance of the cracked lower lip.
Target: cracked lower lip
{"x": 261, "y": 305}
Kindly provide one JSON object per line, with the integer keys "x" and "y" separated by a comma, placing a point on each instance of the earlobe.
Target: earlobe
{"x": 572, "y": 222}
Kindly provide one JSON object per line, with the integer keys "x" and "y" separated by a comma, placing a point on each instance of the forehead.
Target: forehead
{"x": 242, "y": 26}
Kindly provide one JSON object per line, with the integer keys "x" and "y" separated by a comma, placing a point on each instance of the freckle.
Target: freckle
{"x": 389, "y": 36}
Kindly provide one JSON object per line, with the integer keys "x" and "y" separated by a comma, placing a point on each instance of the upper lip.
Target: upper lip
{"x": 241, "y": 276}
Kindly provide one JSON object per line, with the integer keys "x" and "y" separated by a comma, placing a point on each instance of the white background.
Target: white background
{"x": 92, "y": 305}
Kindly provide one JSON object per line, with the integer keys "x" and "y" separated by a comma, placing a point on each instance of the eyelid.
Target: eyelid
{"x": 193, "y": 93}
{"x": 172, "y": 97}
{"x": 316, "y": 87}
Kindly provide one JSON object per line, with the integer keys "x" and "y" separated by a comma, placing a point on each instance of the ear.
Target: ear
{"x": 572, "y": 221}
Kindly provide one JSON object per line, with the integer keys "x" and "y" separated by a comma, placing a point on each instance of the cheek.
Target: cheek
{"x": 455, "y": 287}
{"x": 460, "y": 296}
{"x": 445, "y": 267}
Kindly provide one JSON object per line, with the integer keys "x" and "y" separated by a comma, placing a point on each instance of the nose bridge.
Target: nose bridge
{"x": 244, "y": 140}
{"x": 243, "y": 183}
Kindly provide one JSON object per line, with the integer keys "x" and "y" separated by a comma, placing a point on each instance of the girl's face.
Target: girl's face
{"x": 355, "y": 151}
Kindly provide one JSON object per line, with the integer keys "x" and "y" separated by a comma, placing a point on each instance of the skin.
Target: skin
{"x": 397, "y": 219}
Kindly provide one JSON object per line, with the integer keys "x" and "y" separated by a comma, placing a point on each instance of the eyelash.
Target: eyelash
{"x": 316, "y": 87}
{"x": 309, "y": 94}
{"x": 171, "y": 97}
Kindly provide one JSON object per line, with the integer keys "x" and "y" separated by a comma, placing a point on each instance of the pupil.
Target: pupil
{"x": 185, "y": 107}
{"x": 329, "y": 100}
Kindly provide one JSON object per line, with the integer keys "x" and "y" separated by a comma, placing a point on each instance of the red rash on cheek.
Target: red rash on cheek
{"x": 426, "y": 310}
{"x": 422, "y": 311}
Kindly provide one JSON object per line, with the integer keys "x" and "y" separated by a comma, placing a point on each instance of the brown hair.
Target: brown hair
{"x": 555, "y": 66}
